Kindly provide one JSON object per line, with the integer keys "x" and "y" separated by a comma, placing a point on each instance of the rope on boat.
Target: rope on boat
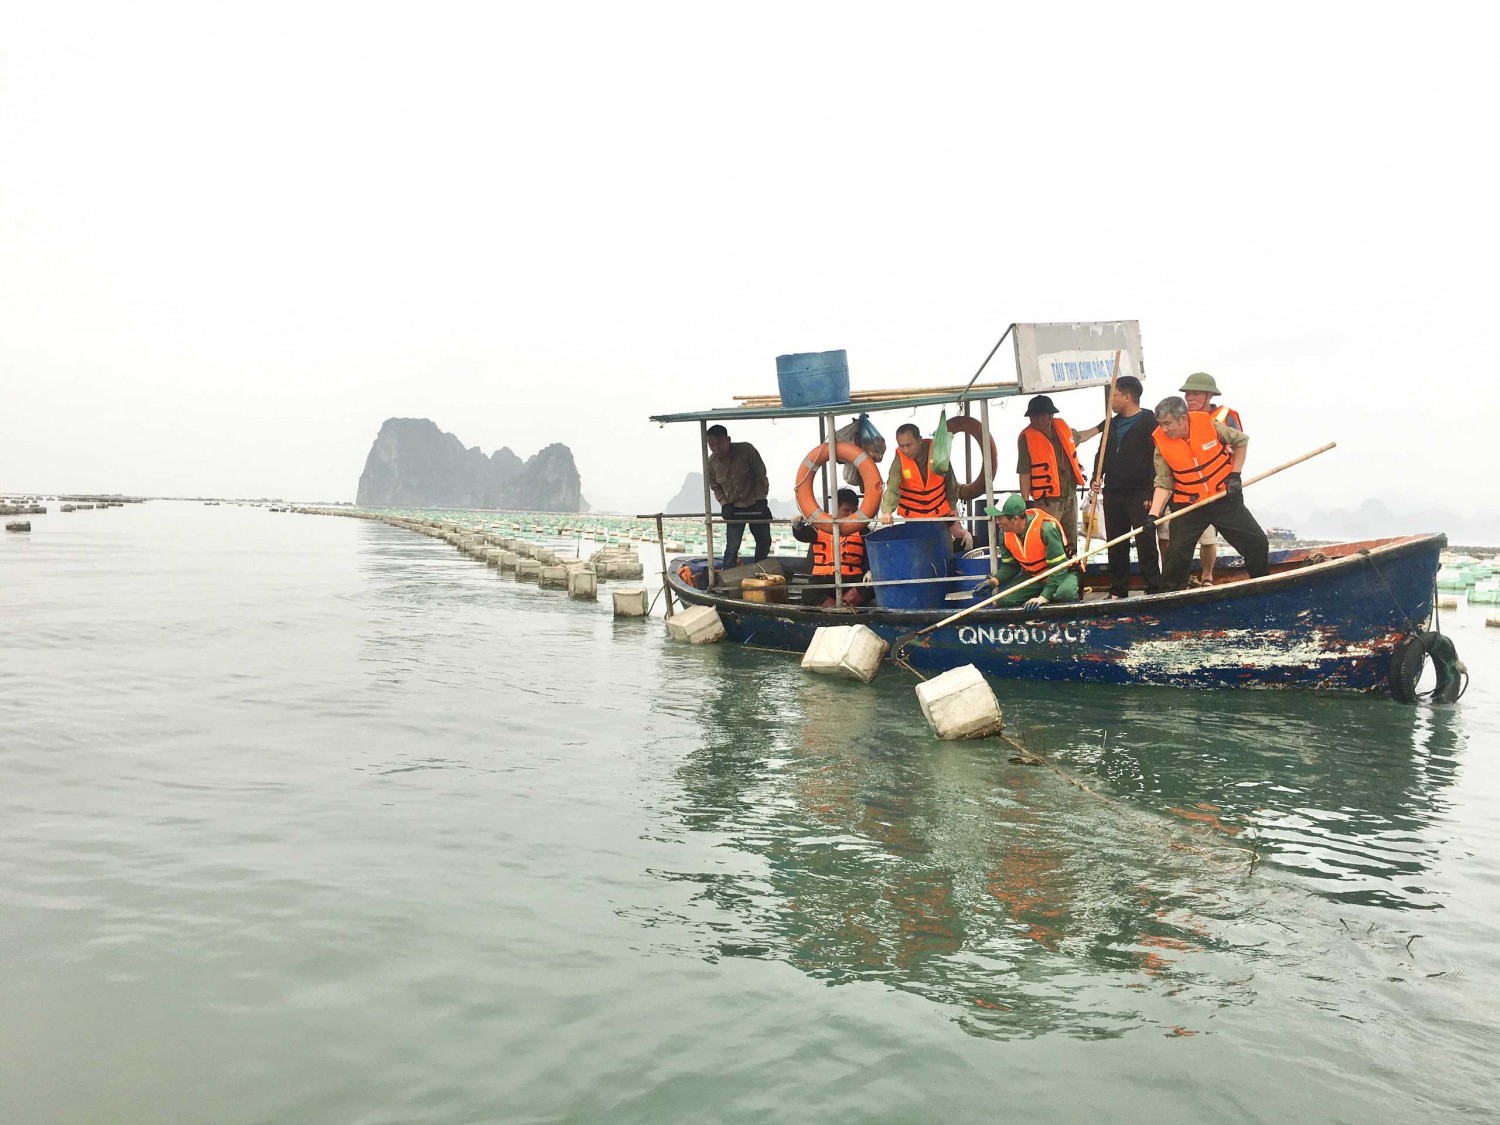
{"x": 1412, "y": 651}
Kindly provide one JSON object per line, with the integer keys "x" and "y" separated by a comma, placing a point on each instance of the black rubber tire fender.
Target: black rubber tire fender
{"x": 1407, "y": 660}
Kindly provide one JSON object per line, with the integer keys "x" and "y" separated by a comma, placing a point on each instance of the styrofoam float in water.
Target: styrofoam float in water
{"x": 553, "y": 577}
{"x": 854, "y": 651}
{"x": 582, "y": 583}
{"x": 631, "y": 601}
{"x": 960, "y": 704}
{"x": 528, "y": 570}
{"x": 699, "y": 625}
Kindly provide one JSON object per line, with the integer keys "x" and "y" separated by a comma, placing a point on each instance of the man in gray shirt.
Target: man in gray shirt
{"x": 737, "y": 476}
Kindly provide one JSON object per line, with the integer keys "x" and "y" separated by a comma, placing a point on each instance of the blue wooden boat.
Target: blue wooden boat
{"x": 1329, "y": 618}
{"x": 1349, "y": 617}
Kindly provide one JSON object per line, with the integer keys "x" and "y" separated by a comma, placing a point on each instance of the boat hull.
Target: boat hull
{"x": 1328, "y": 626}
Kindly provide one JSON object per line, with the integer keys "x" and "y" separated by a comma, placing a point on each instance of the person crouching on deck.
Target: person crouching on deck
{"x": 914, "y": 491}
{"x": 1031, "y": 541}
{"x": 852, "y": 562}
{"x": 1198, "y": 457}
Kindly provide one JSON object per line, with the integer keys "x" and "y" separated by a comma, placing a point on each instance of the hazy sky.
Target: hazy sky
{"x": 234, "y": 238}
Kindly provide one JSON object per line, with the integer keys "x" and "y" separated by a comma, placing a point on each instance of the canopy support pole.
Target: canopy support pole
{"x": 708, "y": 519}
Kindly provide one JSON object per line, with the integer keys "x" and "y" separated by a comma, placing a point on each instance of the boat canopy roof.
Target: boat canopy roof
{"x": 1051, "y": 357}
{"x": 865, "y": 404}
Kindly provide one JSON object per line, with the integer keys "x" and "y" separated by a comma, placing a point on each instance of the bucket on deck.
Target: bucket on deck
{"x": 973, "y": 571}
{"x": 910, "y": 550}
{"x": 813, "y": 378}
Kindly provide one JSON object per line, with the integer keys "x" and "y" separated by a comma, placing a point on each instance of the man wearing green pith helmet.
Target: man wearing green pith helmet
{"x": 1031, "y": 541}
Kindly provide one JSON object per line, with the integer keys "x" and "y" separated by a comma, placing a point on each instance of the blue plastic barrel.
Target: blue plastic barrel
{"x": 813, "y": 378}
{"x": 910, "y": 550}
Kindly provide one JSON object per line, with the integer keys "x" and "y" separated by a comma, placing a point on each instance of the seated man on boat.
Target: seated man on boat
{"x": 1031, "y": 541}
{"x": 1197, "y": 457}
{"x": 914, "y": 491}
{"x": 852, "y": 561}
{"x": 1047, "y": 463}
{"x": 737, "y": 476}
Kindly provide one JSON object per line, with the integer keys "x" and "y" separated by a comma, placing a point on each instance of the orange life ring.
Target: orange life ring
{"x": 848, "y": 454}
{"x": 968, "y": 425}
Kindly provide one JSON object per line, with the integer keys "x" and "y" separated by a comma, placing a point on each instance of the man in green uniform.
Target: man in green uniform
{"x": 1031, "y": 541}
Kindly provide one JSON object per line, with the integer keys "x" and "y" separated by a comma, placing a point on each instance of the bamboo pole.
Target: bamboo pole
{"x": 665, "y": 585}
{"x": 708, "y": 519}
{"x": 1109, "y": 416}
{"x": 902, "y": 642}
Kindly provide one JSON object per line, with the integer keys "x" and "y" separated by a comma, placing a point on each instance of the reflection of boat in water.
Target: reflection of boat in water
{"x": 1028, "y": 904}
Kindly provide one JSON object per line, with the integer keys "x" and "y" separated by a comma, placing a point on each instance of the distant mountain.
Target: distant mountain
{"x": 414, "y": 464}
{"x": 1374, "y": 518}
{"x": 690, "y": 499}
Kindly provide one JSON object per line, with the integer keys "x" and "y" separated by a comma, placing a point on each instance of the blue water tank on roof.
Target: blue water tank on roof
{"x": 813, "y": 378}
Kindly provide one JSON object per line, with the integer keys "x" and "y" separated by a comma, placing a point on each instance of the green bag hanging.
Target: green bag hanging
{"x": 942, "y": 445}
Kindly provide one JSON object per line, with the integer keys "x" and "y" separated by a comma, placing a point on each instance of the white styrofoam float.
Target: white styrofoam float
{"x": 854, "y": 651}
{"x": 960, "y": 704}
{"x": 631, "y": 601}
{"x": 698, "y": 625}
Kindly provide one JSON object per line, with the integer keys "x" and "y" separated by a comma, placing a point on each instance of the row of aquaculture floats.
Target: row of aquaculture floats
{"x": 957, "y": 704}
{"x": 30, "y": 506}
{"x": 1471, "y": 578}
{"x": 521, "y": 551}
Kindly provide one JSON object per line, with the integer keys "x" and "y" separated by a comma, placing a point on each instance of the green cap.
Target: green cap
{"x": 1013, "y": 506}
{"x": 1201, "y": 381}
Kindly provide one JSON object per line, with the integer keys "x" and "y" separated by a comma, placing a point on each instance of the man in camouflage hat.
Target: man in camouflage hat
{"x": 1199, "y": 390}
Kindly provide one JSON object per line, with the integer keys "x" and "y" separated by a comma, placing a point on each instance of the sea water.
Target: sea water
{"x": 306, "y": 819}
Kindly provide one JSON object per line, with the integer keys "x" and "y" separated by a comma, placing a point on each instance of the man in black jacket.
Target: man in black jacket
{"x": 1127, "y": 474}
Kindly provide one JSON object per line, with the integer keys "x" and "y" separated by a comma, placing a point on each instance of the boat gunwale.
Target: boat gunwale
{"x": 1136, "y": 606}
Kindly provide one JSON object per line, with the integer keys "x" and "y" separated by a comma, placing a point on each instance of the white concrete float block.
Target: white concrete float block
{"x": 582, "y": 583}
{"x": 853, "y": 651}
{"x": 623, "y": 568}
{"x": 1492, "y": 621}
{"x": 631, "y": 601}
{"x": 1447, "y": 602}
{"x": 699, "y": 625}
{"x": 509, "y": 560}
{"x": 492, "y": 556}
{"x": 528, "y": 570}
{"x": 554, "y": 577}
{"x": 960, "y": 704}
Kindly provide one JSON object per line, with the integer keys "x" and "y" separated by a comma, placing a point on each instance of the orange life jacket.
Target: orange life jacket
{"x": 1200, "y": 463}
{"x": 851, "y": 551}
{"x": 921, "y": 495}
{"x": 1045, "y": 479}
{"x": 1030, "y": 551}
{"x": 1227, "y": 416}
